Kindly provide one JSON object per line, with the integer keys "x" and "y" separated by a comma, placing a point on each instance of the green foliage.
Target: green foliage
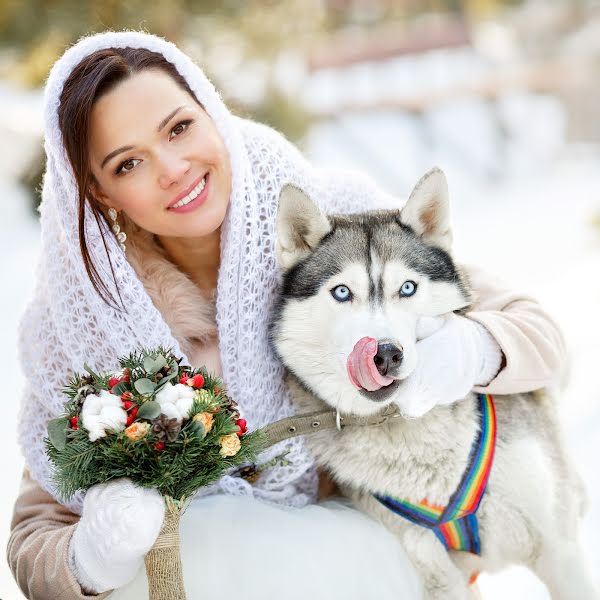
{"x": 177, "y": 468}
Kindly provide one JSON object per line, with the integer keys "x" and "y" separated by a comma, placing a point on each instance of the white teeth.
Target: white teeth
{"x": 192, "y": 195}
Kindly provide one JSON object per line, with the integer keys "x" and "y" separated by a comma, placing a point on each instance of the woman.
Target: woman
{"x": 138, "y": 139}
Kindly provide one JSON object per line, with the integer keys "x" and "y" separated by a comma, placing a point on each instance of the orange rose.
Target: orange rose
{"x": 230, "y": 445}
{"x": 206, "y": 419}
{"x": 136, "y": 431}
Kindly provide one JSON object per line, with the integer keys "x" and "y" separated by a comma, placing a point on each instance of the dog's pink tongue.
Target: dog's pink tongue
{"x": 361, "y": 368}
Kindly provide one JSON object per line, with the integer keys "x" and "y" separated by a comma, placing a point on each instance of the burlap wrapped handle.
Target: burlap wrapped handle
{"x": 163, "y": 562}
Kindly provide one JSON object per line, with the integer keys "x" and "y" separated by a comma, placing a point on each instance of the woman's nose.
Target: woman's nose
{"x": 172, "y": 170}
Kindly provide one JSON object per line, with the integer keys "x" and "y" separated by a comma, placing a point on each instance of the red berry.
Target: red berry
{"x": 74, "y": 428}
{"x": 130, "y": 419}
{"x": 125, "y": 378}
{"x": 196, "y": 381}
{"x": 112, "y": 382}
{"x": 127, "y": 404}
{"x": 241, "y": 423}
{"x": 74, "y": 421}
{"x": 183, "y": 379}
{"x": 134, "y": 412}
{"x": 160, "y": 446}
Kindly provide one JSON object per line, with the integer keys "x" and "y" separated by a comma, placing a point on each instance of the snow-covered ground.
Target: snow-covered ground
{"x": 522, "y": 204}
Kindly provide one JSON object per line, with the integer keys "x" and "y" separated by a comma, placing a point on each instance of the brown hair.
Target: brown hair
{"x": 93, "y": 77}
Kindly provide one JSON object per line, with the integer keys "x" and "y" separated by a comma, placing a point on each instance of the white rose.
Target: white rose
{"x": 176, "y": 400}
{"x": 102, "y": 412}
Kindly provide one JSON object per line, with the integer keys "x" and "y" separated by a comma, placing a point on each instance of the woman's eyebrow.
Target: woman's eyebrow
{"x": 169, "y": 117}
{"x": 114, "y": 153}
{"x": 126, "y": 148}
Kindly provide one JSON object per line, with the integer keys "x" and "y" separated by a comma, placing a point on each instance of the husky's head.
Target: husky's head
{"x": 354, "y": 288}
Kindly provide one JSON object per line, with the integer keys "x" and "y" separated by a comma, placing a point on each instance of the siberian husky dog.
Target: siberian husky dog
{"x": 371, "y": 276}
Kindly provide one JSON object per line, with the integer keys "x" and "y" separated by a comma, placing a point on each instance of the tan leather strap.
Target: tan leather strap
{"x": 319, "y": 421}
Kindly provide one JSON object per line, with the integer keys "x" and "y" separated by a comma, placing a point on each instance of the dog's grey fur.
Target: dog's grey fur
{"x": 530, "y": 512}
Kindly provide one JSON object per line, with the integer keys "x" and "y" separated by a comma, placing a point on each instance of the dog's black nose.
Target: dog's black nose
{"x": 388, "y": 357}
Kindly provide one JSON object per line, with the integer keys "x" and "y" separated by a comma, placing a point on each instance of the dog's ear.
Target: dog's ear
{"x": 427, "y": 210}
{"x": 300, "y": 226}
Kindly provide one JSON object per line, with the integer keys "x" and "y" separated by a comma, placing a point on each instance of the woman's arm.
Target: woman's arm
{"x": 533, "y": 347}
{"x": 38, "y": 547}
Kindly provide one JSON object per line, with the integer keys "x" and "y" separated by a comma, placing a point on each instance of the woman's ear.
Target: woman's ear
{"x": 95, "y": 193}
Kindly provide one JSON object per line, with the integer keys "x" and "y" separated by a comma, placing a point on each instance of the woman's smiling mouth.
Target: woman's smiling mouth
{"x": 194, "y": 198}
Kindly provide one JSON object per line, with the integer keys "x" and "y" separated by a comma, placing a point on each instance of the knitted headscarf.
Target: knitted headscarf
{"x": 67, "y": 324}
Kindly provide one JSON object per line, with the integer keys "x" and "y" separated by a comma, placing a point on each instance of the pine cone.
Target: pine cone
{"x": 250, "y": 473}
{"x": 82, "y": 393}
{"x": 230, "y": 404}
{"x": 166, "y": 370}
{"x": 165, "y": 429}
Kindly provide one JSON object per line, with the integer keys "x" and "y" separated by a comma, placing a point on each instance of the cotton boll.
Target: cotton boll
{"x": 96, "y": 431}
{"x": 167, "y": 395}
{"x": 109, "y": 399}
{"x": 184, "y": 405}
{"x": 171, "y": 411}
{"x": 101, "y": 412}
{"x": 113, "y": 418}
{"x": 92, "y": 405}
{"x": 186, "y": 399}
{"x": 176, "y": 401}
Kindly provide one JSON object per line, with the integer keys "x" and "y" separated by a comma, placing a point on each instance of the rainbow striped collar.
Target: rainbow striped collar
{"x": 456, "y": 524}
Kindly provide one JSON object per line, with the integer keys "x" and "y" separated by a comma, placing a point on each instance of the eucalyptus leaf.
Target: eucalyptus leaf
{"x": 159, "y": 363}
{"x": 154, "y": 365}
{"x": 120, "y": 388}
{"x": 148, "y": 363}
{"x": 198, "y": 428}
{"x": 90, "y": 371}
{"x": 149, "y": 410}
{"x": 144, "y": 386}
{"x": 57, "y": 432}
{"x": 168, "y": 377}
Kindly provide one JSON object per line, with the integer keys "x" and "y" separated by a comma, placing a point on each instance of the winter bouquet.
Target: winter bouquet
{"x": 162, "y": 425}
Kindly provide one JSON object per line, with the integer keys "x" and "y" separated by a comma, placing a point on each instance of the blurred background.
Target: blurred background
{"x": 502, "y": 95}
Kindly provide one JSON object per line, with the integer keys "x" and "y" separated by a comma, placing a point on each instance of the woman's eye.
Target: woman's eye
{"x": 127, "y": 165}
{"x": 341, "y": 293}
{"x": 408, "y": 288}
{"x": 180, "y": 128}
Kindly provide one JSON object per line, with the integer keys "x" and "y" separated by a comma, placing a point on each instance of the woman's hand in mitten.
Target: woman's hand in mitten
{"x": 119, "y": 525}
{"x": 454, "y": 355}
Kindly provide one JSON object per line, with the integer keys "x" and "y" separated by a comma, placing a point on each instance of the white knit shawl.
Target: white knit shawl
{"x": 67, "y": 323}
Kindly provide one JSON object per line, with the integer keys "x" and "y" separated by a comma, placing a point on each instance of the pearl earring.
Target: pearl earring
{"x": 120, "y": 235}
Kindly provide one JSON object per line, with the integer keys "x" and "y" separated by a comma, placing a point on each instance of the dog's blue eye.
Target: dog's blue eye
{"x": 408, "y": 288}
{"x": 341, "y": 293}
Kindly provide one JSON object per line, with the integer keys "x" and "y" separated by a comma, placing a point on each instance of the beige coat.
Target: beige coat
{"x": 41, "y": 529}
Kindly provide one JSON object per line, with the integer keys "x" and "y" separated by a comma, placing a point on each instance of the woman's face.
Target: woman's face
{"x": 157, "y": 156}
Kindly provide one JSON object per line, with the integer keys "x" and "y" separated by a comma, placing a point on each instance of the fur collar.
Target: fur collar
{"x": 188, "y": 313}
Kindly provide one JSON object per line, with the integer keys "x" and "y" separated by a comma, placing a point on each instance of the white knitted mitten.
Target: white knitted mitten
{"x": 119, "y": 525}
{"x": 455, "y": 355}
